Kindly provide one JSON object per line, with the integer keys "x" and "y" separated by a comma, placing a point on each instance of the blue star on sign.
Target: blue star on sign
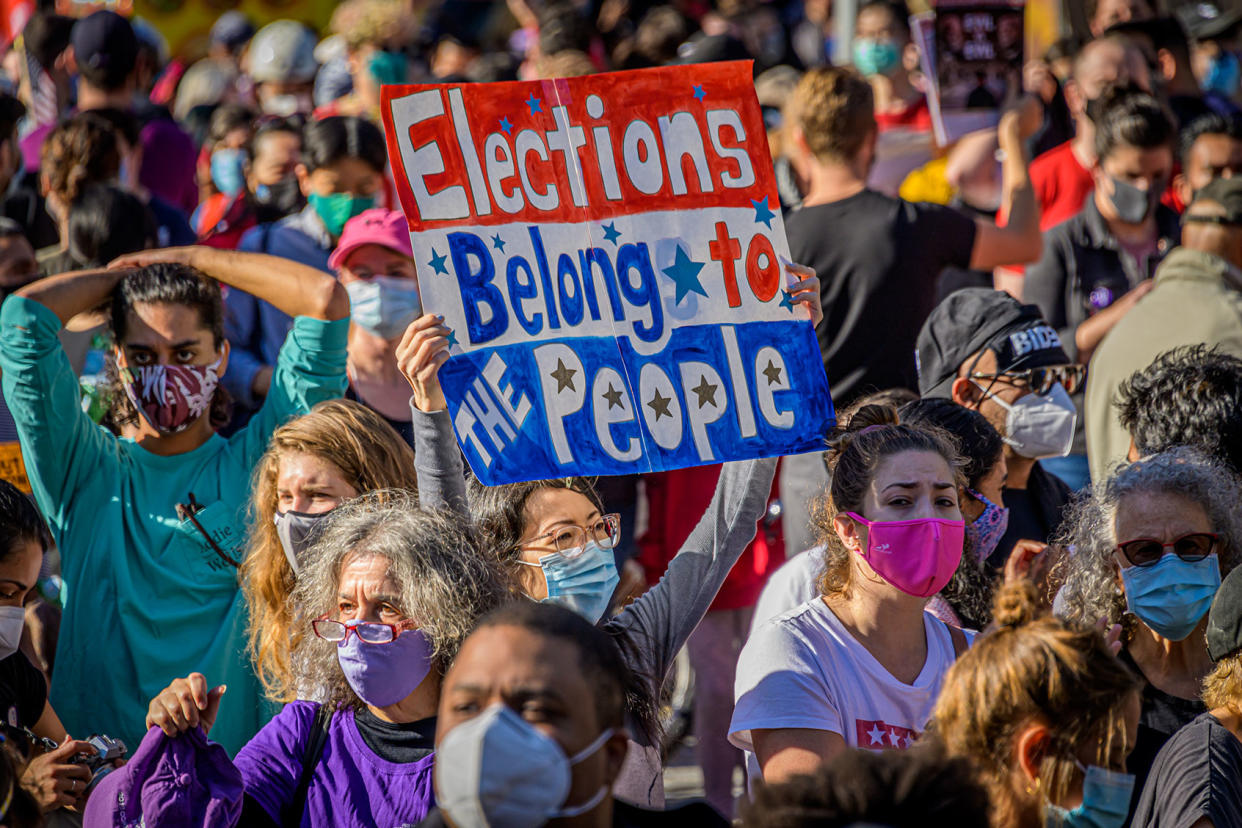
{"x": 498, "y": 243}
{"x": 437, "y": 262}
{"x": 534, "y": 103}
{"x": 452, "y": 337}
{"x": 506, "y": 125}
{"x": 685, "y": 274}
{"x": 611, "y": 233}
{"x": 699, "y": 93}
{"x": 762, "y": 212}
{"x": 787, "y": 300}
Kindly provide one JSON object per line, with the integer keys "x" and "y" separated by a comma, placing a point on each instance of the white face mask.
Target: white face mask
{"x": 496, "y": 769}
{"x": 12, "y": 622}
{"x": 1038, "y": 425}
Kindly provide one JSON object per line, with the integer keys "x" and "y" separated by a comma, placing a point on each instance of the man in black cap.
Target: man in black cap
{"x": 985, "y": 350}
{"x": 1197, "y": 299}
{"x": 1196, "y": 779}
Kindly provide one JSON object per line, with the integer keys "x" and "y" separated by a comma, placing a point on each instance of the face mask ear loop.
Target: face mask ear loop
{"x": 579, "y": 810}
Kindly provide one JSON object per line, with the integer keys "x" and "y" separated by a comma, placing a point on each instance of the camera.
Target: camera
{"x": 100, "y": 764}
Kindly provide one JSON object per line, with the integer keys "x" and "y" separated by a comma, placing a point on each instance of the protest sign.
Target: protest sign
{"x": 606, "y": 252}
{"x": 977, "y": 61}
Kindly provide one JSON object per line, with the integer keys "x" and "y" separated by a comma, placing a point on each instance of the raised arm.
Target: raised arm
{"x": 69, "y": 294}
{"x": 1019, "y": 241}
{"x": 294, "y": 288}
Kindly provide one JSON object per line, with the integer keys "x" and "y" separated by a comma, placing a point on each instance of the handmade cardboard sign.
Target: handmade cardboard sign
{"x": 607, "y": 253}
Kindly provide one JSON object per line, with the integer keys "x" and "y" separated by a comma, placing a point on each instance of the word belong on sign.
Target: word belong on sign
{"x": 606, "y": 251}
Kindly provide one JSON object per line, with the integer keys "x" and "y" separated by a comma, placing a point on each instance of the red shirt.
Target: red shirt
{"x": 676, "y": 500}
{"x": 915, "y": 116}
{"x": 1061, "y": 185}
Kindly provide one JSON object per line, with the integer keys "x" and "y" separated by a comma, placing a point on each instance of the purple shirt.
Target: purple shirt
{"x": 351, "y": 786}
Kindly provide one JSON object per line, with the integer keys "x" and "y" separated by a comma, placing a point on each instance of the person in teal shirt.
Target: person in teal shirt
{"x": 151, "y": 523}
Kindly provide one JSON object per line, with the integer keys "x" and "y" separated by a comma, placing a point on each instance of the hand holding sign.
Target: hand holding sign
{"x": 604, "y": 254}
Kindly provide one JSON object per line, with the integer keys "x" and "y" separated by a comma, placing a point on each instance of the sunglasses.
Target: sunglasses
{"x": 1041, "y": 380}
{"x": 1190, "y": 548}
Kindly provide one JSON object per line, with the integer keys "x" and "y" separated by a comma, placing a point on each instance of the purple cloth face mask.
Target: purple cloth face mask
{"x": 916, "y": 556}
{"x": 986, "y": 531}
{"x": 384, "y": 674}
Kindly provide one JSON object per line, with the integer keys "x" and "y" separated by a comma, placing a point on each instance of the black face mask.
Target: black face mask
{"x": 275, "y": 201}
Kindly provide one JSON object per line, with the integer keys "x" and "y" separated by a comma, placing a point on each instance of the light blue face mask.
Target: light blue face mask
{"x": 228, "y": 171}
{"x": 581, "y": 582}
{"x": 384, "y": 305}
{"x": 1172, "y": 595}
{"x": 1105, "y": 801}
{"x": 875, "y": 57}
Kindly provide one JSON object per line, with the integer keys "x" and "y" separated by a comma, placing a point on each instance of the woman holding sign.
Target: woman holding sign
{"x": 556, "y": 539}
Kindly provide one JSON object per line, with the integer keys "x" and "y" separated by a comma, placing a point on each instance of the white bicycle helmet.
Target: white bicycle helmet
{"x": 283, "y": 52}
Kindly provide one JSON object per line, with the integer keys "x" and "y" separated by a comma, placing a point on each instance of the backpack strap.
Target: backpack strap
{"x": 291, "y": 817}
{"x": 958, "y": 637}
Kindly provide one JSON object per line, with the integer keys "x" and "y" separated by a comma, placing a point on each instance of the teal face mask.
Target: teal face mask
{"x": 336, "y": 209}
{"x": 1105, "y": 801}
{"x": 583, "y": 582}
{"x": 875, "y": 57}
{"x": 383, "y": 305}
{"x": 1172, "y": 595}
{"x": 387, "y": 67}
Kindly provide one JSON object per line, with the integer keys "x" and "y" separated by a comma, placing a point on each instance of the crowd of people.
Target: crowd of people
{"x": 247, "y": 579}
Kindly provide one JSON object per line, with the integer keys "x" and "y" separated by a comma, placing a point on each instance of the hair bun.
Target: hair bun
{"x": 1016, "y": 604}
{"x": 855, "y": 424}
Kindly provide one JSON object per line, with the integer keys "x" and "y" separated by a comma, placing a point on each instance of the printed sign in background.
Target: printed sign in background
{"x": 606, "y": 251}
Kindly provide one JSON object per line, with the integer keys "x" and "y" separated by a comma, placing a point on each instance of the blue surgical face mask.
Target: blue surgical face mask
{"x": 384, "y": 305}
{"x": 1224, "y": 74}
{"x": 985, "y": 531}
{"x": 1105, "y": 801}
{"x": 1172, "y": 595}
{"x": 582, "y": 581}
{"x": 228, "y": 171}
{"x": 875, "y": 57}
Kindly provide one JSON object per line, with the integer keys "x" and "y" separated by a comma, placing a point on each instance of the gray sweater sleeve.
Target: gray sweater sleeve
{"x": 437, "y": 463}
{"x": 658, "y": 624}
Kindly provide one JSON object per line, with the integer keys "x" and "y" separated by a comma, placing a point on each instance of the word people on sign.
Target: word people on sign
{"x": 607, "y": 253}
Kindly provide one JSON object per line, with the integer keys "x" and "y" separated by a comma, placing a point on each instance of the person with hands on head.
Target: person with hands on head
{"x": 52, "y": 777}
{"x": 389, "y": 596}
{"x": 555, "y": 538}
{"x": 147, "y": 520}
{"x": 1150, "y": 546}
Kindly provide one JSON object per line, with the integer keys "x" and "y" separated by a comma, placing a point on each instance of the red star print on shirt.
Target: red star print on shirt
{"x": 884, "y": 736}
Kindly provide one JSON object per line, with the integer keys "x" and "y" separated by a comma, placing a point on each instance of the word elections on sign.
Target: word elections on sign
{"x": 532, "y": 168}
{"x": 586, "y": 403}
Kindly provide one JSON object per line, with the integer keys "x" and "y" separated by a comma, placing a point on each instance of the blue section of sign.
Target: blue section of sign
{"x": 592, "y": 406}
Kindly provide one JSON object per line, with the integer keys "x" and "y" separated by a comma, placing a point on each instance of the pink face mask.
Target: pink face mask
{"x": 170, "y": 397}
{"x": 916, "y": 556}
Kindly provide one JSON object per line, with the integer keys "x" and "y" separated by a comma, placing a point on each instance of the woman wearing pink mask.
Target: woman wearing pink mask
{"x": 860, "y": 665}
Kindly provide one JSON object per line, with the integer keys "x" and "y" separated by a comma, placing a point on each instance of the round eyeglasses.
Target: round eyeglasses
{"x": 570, "y": 540}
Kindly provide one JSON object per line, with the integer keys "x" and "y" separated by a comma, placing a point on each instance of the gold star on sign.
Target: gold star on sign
{"x": 772, "y": 373}
{"x": 564, "y": 377}
{"x": 613, "y": 396}
{"x": 659, "y": 405}
{"x": 706, "y": 392}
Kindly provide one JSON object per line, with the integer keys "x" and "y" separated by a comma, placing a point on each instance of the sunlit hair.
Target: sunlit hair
{"x": 1032, "y": 669}
{"x": 1091, "y": 590}
{"x": 874, "y": 434}
{"x": 1222, "y": 688}
{"x": 444, "y": 581}
{"x": 370, "y": 455}
{"x": 501, "y": 513}
{"x": 835, "y": 110}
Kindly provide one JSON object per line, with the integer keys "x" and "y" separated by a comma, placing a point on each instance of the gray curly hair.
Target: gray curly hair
{"x": 1091, "y": 590}
{"x": 444, "y": 580}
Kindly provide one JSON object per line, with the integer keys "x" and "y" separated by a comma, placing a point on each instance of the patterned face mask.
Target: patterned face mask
{"x": 986, "y": 531}
{"x": 170, "y": 397}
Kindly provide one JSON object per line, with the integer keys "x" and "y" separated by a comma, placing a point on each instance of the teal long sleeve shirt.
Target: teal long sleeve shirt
{"x": 148, "y": 600}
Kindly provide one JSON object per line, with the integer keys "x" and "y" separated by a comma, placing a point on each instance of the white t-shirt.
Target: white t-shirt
{"x": 803, "y": 669}
{"x": 796, "y": 582}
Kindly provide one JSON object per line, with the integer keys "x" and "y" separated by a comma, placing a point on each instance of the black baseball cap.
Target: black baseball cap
{"x": 1227, "y": 192}
{"x": 972, "y": 319}
{"x": 1224, "y": 628}
{"x": 104, "y": 44}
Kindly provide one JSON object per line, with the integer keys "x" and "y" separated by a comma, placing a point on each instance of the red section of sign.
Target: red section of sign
{"x": 685, "y": 137}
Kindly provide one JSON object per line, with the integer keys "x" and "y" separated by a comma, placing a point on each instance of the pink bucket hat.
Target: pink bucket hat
{"x": 387, "y": 228}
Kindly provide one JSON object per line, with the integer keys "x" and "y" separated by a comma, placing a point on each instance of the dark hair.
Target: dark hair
{"x": 9, "y": 228}
{"x": 914, "y": 787}
{"x": 978, "y": 441}
{"x": 660, "y": 31}
{"x": 125, "y": 124}
{"x": 11, "y": 111}
{"x": 1209, "y": 123}
{"x": 1130, "y": 118}
{"x": 562, "y": 26}
{"x": 598, "y": 657}
{"x": 897, "y": 8}
{"x": 1189, "y": 396}
{"x": 270, "y": 126}
{"x": 79, "y": 151}
{"x": 164, "y": 283}
{"x": 227, "y": 118}
{"x": 1063, "y": 48}
{"x": 46, "y": 37}
{"x": 106, "y": 222}
{"x": 334, "y": 139}
{"x": 19, "y": 521}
